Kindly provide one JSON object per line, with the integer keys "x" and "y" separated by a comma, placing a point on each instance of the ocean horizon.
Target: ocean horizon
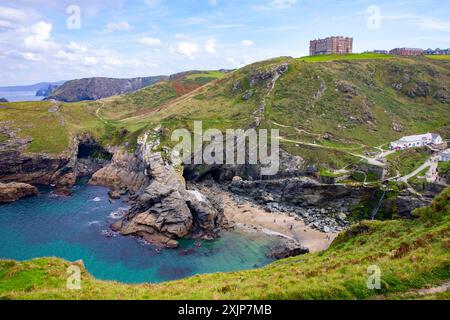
{"x": 16, "y": 96}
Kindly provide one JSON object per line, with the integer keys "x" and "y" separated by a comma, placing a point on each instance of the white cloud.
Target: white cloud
{"x": 90, "y": 61}
{"x": 277, "y": 4}
{"x": 5, "y": 24}
{"x": 423, "y": 22}
{"x": 40, "y": 38}
{"x": 211, "y": 46}
{"x": 227, "y": 26}
{"x": 187, "y": 49}
{"x": 213, "y": 2}
{"x": 30, "y": 56}
{"x": 147, "y": 41}
{"x": 12, "y": 14}
{"x": 73, "y": 46}
{"x": 153, "y": 3}
{"x": 248, "y": 43}
{"x": 119, "y": 26}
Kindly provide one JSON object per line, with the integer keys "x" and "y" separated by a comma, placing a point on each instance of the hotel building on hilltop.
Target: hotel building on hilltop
{"x": 331, "y": 45}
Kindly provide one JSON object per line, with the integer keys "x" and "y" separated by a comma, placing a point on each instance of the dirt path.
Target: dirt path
{"x": 248, "y": 215}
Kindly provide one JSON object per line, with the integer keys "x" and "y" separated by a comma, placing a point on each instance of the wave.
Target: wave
{"x": 119, "y": 213}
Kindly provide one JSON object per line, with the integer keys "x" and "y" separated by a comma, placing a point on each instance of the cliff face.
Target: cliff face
{"x": 11, "y": 192}
{"x": 60, "y": 171}
{"x": 125, "y": 172}
{"x": 98, "y": 88}
{"x": 163, "y": 210}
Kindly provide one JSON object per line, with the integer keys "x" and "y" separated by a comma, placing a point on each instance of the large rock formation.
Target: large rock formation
{"x": 60, "y": 171}
{"x": 10, "y": 192}
{"x": 165, "y": 210}
{"x": 125, "y": 172}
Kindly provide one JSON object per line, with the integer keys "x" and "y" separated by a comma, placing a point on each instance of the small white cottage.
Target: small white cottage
{"x": 416, "y": 141}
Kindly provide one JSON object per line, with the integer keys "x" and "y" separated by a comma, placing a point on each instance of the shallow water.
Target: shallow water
{"x": 15, "y": 96}
{"x": 74, "y": 228}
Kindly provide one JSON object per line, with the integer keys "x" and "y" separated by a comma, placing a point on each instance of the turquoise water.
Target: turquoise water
{"x": 74, "y": 228}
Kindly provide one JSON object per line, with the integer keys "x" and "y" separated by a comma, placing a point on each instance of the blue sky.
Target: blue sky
{"x": 129, "y": 38}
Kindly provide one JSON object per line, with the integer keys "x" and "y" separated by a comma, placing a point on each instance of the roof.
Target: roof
{"x": 426, "y": 136}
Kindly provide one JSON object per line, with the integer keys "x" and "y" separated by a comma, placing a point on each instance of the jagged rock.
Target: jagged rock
{"x": 247, "y": 94}
{"x": 406, "y": 203}
{"x": 397, "y": 86}
{"x": 286, "y": 250}
{"x": 166, "y": 211}
{"x": 236, "y": 179}
{"x": 113, "y": 194}
{"x": 10, "y": 192}
{"x": 396, "y": 126}
{"x": 126, "y": 171}
{"x": 347, "y": 87}
{"x": 442, "y": 94}
{"x": 419, "y": 89}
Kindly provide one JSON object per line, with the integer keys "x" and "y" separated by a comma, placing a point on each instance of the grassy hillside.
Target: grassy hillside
{"x": 328, "y": 112}
{"x": 52, "y": 125}
{"x": 331, "y": 110}
{"x": 410, "y": 255}
{"x": 50, "y": 129}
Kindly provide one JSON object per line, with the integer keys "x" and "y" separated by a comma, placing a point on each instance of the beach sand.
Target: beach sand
{"x": 251, "y": 216}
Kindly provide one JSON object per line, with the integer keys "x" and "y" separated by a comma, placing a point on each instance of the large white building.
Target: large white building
{"x": 416, "y": 141}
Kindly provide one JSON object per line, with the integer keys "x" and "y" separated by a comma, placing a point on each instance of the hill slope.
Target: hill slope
{"x": 326, "y": 111}
{"x": 99, "y": 88}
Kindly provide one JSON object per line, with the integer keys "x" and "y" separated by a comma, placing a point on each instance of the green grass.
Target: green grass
{"x": 406, "y": 161}
{"x": 438, "y": 57}
{"x": 3, "y": 137}
{"x": 207, "y": 74}
{"x": 444, "y": 168}
{"x": 410, "y": 254}
{"x": 334, "y": 57}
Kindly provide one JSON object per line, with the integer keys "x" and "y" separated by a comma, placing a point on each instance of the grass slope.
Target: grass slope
{"x": 410, "y": 254}
{"x": 329, "y": 112}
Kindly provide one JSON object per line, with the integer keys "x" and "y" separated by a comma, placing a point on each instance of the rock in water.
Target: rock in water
{"x": 166, "y": 211}
{"x": 10, "y": 192}
{"x": 286, "y": 250}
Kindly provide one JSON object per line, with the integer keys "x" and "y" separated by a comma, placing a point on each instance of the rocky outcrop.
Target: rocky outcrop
{"x": 125, "y": 172}
{"x": 166, "y": 211}
{"x": 59, "y": 171}
{"x": 10, "y": 192}
{"x": 287, "y": 249}
{"x": 303, "y": 192}
{"x": 45, "y": 92}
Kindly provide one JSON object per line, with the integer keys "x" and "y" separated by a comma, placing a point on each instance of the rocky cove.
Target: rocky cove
{"x": 168, "y": 204}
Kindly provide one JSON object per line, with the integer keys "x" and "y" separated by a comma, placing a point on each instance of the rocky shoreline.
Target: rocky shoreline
{"x": 10, "y": 192}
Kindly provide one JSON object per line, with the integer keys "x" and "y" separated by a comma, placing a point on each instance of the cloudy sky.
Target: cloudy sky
{"x": 51, "y": 40}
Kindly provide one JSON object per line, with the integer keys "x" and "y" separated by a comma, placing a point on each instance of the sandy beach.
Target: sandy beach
{"x": 249, "y": 215}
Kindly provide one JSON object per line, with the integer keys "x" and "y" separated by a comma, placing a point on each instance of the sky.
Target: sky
{"x": 53, "y": 40}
